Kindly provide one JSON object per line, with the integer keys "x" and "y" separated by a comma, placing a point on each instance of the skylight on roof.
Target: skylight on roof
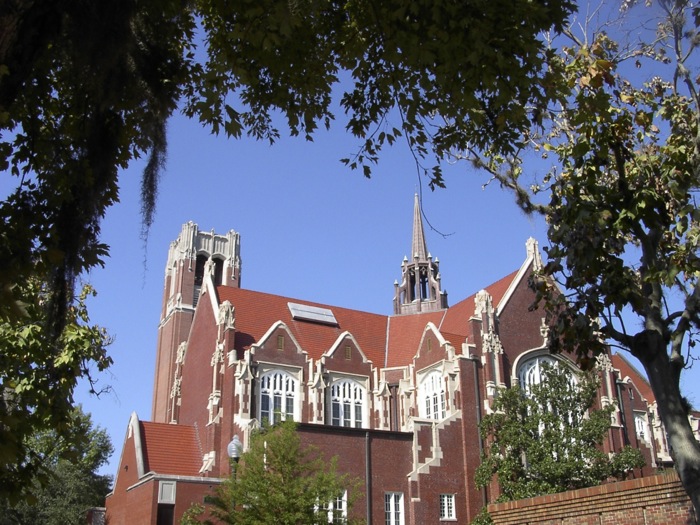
{"x": 304, "y": 312}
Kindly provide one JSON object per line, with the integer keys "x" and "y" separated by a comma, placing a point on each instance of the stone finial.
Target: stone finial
{"x": 227, "y": 316}
{"x": 603, "y": 363}
{"x": 533, "y": 251}
{"x": 482, "y": 303}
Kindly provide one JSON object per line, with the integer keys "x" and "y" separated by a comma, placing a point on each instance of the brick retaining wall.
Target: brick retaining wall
{"x": 653, "y": 500}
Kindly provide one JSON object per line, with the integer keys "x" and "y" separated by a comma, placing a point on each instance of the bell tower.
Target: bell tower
{"x": 420, "y": 289}
{"x": 194, "y": 257}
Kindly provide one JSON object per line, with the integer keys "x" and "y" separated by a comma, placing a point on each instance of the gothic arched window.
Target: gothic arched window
{"x": 432, "y": 396}
{"x": 347, "y": 402}
{"x": 218, "y": 271}
{"x": 199, "y": 269}
{"x": 530, "y": 372}
{"x": 277, "y": 396}
{"x": 533, "y": 371}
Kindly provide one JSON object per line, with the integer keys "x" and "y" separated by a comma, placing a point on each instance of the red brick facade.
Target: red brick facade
{"x": 396, "y": 398}
{"x": 653, "y": 500}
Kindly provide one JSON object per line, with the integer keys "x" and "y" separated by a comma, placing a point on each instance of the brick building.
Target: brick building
{"x": 397, "y": 398}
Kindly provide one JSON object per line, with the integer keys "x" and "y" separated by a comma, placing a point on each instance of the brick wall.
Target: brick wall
{"x": 653, "y": 500}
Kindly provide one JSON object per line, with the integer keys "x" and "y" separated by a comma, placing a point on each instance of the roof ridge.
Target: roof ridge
{"x": 297, "y": 299}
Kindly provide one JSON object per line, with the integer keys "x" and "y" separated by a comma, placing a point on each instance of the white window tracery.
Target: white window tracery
{"x": 432, "y": 396}
{"x": 530, "y": 373}
{"x": 277, "y": 396}
{"x": 641, "y": 425}
{"x": 347, "y": 402}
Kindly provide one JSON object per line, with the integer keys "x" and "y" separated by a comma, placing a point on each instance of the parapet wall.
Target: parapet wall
{"x": 652, "y": 500}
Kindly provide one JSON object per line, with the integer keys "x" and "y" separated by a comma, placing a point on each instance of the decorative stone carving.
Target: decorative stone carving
{"x": 181, "y": 351}
{"x": 492, "y": 343}
{"x": 544, "y": 332}
{"x": 218, "y": 355}
{"x": 482, "y": 303}
{"x": 533, "y": 251}
{"x": 226, "y": 317}
{"x": 603, "y": 363}
{"x": 176, "y": 391}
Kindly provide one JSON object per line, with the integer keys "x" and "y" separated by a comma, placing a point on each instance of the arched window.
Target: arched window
{"x": 277, "y": 396}
{"x": 347, "y": 402}
{"x": 218, "y": 271}
{"x": 199, "y": 269}
{"x": 530, "y": 372}
{"x": 198, "y": 277}
{"x": 432, "y": 396}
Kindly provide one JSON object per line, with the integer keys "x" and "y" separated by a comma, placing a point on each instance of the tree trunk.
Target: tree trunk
{"x": 685, "y": 449}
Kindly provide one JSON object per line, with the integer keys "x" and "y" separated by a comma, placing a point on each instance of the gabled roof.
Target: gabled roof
{"x": 170, "y": 449}
{"x": 457, "y": 317}
{"x": 386, "y": 341}
{"x": 627, "y": 369}
{"x": 256, "y": 312}
{"x": 405, "y": 332}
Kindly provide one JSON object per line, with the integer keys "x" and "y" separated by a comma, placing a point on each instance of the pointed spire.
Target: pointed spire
{"x": 420, "y": 287}
{"x": 418, "y": 246}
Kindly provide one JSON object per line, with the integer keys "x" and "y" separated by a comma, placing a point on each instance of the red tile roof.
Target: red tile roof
{"x": 500, "y": 287}
{"x": 405, "y": 332}
{"x": 628, "y": 370}
{"x": 256, "y": 312}
{"x": 170, "y": 449}
{"x": 386, "y": 341}
{"x": 457, "y": 317}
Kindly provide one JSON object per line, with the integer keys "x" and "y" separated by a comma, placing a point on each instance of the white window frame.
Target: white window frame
{"x": 530, "y": 371}
{"x": 393, "y": 508}
{"x": 337, "y": 508}
{"x": 641, "y": 426}
{"x": 530, "y": 374}
{"x": 432, "y": 398}
{"x": 278, "y": 395}
{"x": 348, "y": 403}
{"x": 447, "y": 507}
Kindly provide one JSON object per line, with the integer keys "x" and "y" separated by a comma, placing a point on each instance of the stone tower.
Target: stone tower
{"x": 419, "y": 290}
{"x": 193, "y": 258}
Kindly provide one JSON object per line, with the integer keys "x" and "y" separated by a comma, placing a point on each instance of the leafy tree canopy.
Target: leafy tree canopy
{"x": 548, "y": 439}
{"x": 279, "y": 481}
{"x": 623, "y": 142}
{"x": 86, "y": 87}
{"x": 70, "y": 484}
{"x": 37, "y": 377}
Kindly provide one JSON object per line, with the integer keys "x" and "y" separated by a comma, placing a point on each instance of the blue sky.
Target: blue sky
{"x": 310, "y": 229}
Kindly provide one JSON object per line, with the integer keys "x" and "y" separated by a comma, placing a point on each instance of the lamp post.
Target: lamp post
{"x": 234, "y": 449}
